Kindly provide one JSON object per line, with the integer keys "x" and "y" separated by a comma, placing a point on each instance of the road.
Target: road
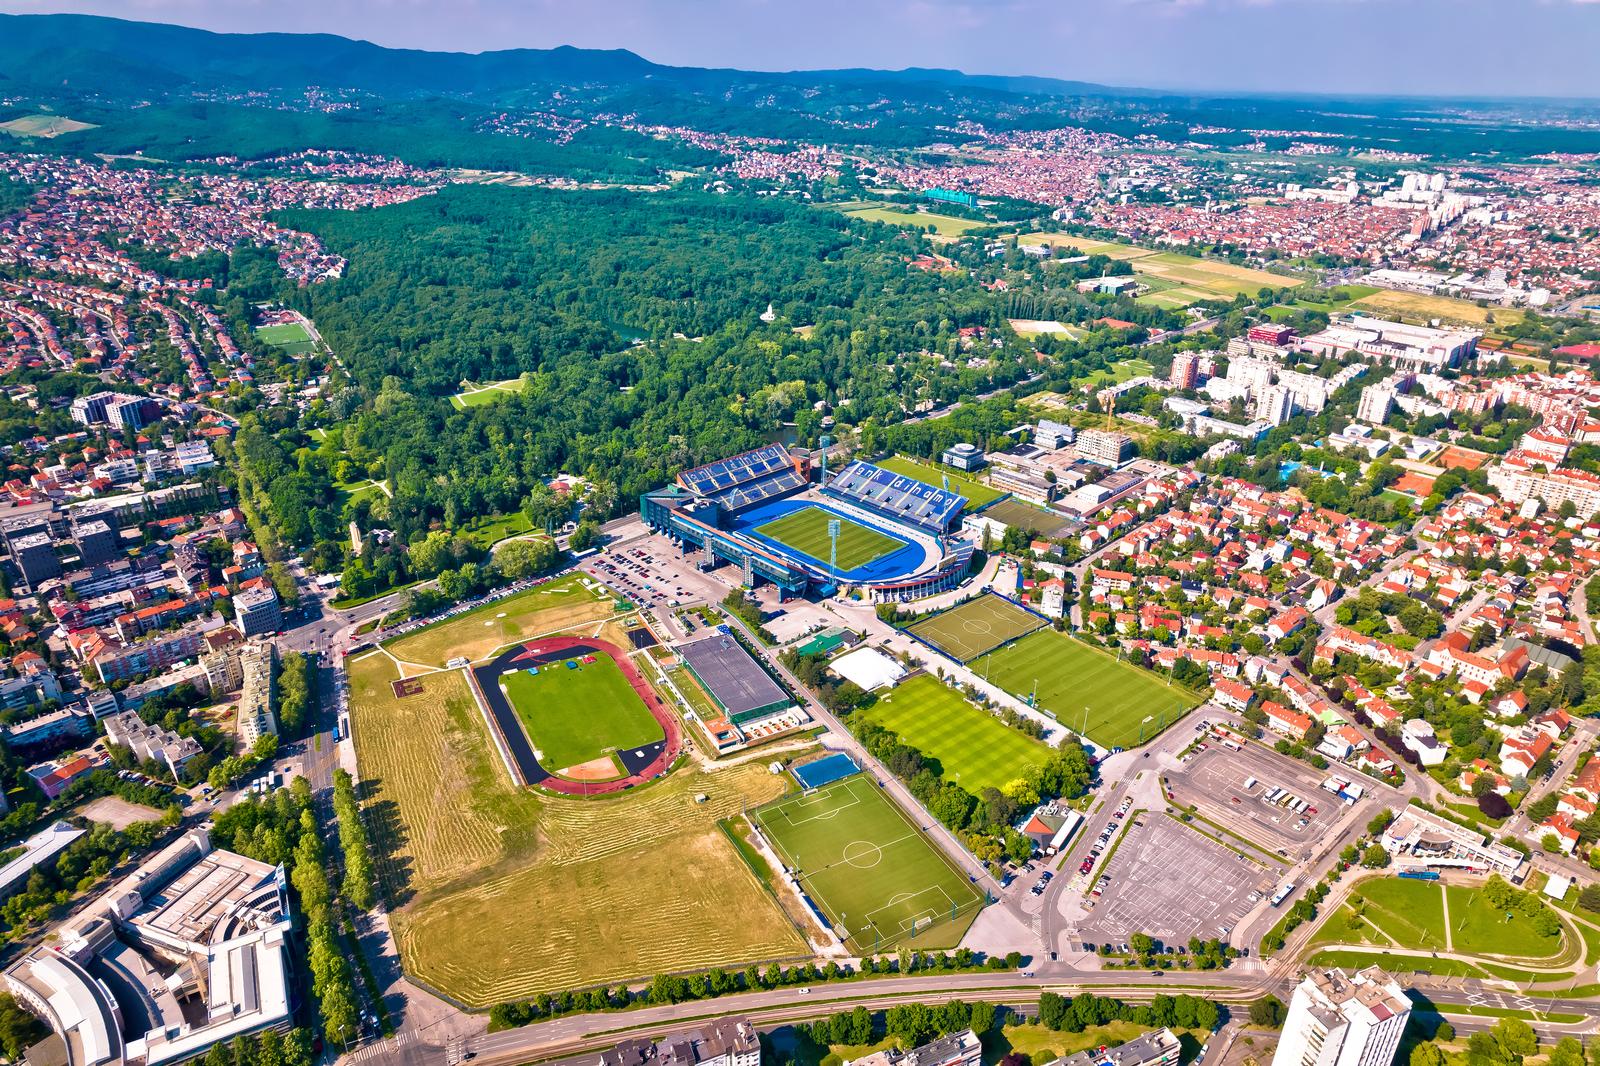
{"x": 568, "y": 1036}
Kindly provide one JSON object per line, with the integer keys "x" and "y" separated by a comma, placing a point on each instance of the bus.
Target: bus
{"x": 1282, "y": 893}
{"x": 1232, "y": 745}
{"x": 1249, "y": 783}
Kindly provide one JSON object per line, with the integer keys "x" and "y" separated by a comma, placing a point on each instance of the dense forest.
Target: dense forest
{"x": 484, "y": 283}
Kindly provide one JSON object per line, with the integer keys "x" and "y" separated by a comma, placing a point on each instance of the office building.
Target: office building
{"x": 35, "y": 556}
{"x": 1422, "y": 348}
{"x": 722, "y": 1042}
{"x": 964, "y": 457}
{"x": 1053, "y": 435}
{"x": 1337, "y": 1019}
{"x": 189, "y": 950}
{"x": 1105, "y": 447}
{"x": 257, "y": 611}
{"x": 96, "y": 541}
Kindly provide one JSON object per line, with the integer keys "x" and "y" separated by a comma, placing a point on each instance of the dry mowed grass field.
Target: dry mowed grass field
{"x": 619, "y": 888}
{"x": 528, "y": 614}
{"x": 437, "y": 794}
{"x": 1417, "y": 308}
{"x": 499, "y": 893}
{"x": 1190, "y": 279}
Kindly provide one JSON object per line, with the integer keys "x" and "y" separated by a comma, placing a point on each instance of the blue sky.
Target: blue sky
{"x": 1446, "y": 47}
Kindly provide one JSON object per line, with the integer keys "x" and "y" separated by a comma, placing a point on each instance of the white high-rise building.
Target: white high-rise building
{"x": 1275, "y": 405}
{"x": 1337, "y": 1019}
{"x": 1376, "y": 403}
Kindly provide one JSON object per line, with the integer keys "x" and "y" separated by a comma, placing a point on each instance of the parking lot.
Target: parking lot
{"x": 1172, "y": 883}
{"x": 1215, "y": 781}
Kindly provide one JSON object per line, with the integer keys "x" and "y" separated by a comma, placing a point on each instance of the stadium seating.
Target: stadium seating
{"x": 746, "y": 479}
{"x": 896, "y": 496}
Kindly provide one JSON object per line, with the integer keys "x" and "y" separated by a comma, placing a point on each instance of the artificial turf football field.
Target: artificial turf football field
{"x": 869, "y": 867}
{"x": 975, "y": 748}
{"x": 982, "y": 624}
{"x": 1125, "y": 705}
{"x": 806, "y": 531}
{"x": 579, "y": 715}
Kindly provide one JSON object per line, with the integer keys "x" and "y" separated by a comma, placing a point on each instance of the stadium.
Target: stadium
{"x": 863, "y": 529}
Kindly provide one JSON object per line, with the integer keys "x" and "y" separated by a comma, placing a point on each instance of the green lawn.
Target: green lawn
{"x": 869, "y": 867}
{"x": 574, "y": 716}
{"x": 977, "y": 493}
{"x": 1114, "y": 703}
{"x": 975, "y": 748}
{"x": 1411, "y": 912}
{"x": 806, "y": 531}
{"x": 486, "y": 393}
{"x": 1478, "y": 928}
{"x": 945, "y": 225}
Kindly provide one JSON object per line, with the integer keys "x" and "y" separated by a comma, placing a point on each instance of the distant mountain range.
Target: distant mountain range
{"x": 89, "y": 53}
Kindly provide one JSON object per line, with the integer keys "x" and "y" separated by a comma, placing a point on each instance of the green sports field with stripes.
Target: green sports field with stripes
{"x": 806, "y": 531}
{"x": 872, "y": 870}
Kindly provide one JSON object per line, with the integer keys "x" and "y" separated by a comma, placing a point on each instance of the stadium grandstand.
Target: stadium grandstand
{"x": 725, "y": 511}
{"x": 748, "y": 478}
{"x": 898, "y": 497}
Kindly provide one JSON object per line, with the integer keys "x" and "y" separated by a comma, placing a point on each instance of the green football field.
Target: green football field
{"x": 292, "y": 338}
{"x": 975, "y": 748}
{"x": 981, "y": 624}
{"x": 807, "y": 531}
{"x": 575, "y": 716}
{"x": 869, "y": 867}
{"x": 1115, "y": 703}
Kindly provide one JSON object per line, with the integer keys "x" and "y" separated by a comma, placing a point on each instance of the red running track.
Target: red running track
{"x": 557, "y": 648}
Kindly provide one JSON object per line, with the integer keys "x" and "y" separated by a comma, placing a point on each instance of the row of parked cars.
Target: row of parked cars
{"x": 1087, "y": 866}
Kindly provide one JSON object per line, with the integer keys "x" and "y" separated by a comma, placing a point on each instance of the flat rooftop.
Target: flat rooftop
{"x": 735, "y": 679}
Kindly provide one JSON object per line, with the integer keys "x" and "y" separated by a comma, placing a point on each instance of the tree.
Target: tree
{"x": 1269, "y": 1012}
{"x": 19, "y": 1030}
{"x": 1427, "y": 1054}
{"x": 1375, "y": 857}
{"x": 1516, "y": 1039}
{"x": 522, "y": 559}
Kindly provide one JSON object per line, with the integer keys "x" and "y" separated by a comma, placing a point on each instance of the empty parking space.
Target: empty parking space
{"x": 1269, "y": 811}
{"x": 1170, "y": 882}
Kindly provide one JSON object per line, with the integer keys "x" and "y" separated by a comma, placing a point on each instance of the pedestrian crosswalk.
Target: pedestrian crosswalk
{"x": 379, "y": 1049}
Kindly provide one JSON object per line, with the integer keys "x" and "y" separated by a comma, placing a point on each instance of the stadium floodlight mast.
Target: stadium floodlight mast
{"x": 833, "y": 544}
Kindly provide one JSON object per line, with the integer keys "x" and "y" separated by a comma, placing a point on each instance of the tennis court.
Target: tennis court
{"x": 871, "y": 870}
{"x": 980, "y": 625}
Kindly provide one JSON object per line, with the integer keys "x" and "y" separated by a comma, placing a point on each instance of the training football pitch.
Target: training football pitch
{"x": 576, "y": 716}
{"x": 969, "y": 629}
{"x": 806, "y": 531}
{"x": 1114, "y": 703}
{"x": 976, "y": 749}
{"x": 869, "y": 867}
{"x": 291, "y": 337}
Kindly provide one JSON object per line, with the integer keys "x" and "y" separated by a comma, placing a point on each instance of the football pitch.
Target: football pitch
{"x": 1114, "y": 703}
{"x": 969, "y": 629}
{"x": 291, "y": 337}
{"x": 975, "y": 748}
{"x": 806, "y": 531}
{"x": 868, "y": 866}
{"x": 575, "y": 717}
